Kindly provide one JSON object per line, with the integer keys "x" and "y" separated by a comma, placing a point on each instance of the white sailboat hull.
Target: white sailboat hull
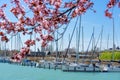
{"x": 114, "y": 69}
{"x": 81, "y": 68}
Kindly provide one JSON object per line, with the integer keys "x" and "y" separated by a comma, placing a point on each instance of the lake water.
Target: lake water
{"x": 15, "y": 72}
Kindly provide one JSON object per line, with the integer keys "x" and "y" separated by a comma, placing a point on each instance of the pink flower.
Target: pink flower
{"x": 49, "y": 38}
{"x": 1, "y": 13}
{"x": 69, "y": 5}
{"x": 27, "y": 1}
{"x": 4, "y": 5}
{"x": 75, "y": 12}
{"x": 119, "y": 4}
{"x": 45, "y": 24}
{"x": 108, "y": 14}
{"x": 4, "y": 38}
{"x": 14, "y": 11}
{"x": 44, "y": 43}
{"x": 30, "y": 42}
{"x": 84, "y": 1}
{"x": 52, "y": 1}
{"x": 1, "y": 34}
{"x": 37, "y": 39}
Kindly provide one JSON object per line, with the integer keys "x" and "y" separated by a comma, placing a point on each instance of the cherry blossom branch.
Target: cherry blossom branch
{"x": 110, "y": 5}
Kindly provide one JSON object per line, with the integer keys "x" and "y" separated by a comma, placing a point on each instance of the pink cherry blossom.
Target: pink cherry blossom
{"x": 1, "y": 34}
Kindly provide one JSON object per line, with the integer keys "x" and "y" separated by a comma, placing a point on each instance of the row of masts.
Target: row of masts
{"x": 17, "y": 42}
{"x": 13, "y": 44}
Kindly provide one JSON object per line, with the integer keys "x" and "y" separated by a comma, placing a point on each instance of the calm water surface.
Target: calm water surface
{"x": 14, "y": 72}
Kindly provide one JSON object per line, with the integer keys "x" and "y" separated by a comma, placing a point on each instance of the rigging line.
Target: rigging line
{"x": 39, "y": 24}
{"x": 89, "y": 43}
{"x": 100, "y": 36}
{"x": 56, "y": 40}
{"x": 100, "y": 43}
{"x": 70, "y": 39}
{"x": 64, "y": 28}
{"x": 69, "y": 10}
{"x": 93, "y": 46}
{"x": 59, "y": 32}
{"x": 97, "y": 41}
{"x": 63, "y": 32}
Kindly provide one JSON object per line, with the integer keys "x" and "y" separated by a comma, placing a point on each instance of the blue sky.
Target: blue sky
{"x": 89, "y": 20}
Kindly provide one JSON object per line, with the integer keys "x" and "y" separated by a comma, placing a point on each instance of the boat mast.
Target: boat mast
{"x": 101, "y": 34}
{"x": 101, "y": 38}
{"x": 0, "y": 45}
{"x": 57, "y": 45}
{"x": 82, "y": 40}
{"x": 70, "y": 40}
{"x": 5, "y": 50}
{"x": 83, "y": 45}
{"x": 62, "y": 44}
{"x": 15, "y": 43}
{"x": 69, "y": 47}
{"x": 78, "y": 41}
{"x": 35, "y": 44}
{"x": 93, "y": 46}
{"x": 18, "y": 41}
{"x": 113, "y": 40}
{"x": 51, "y": 46}
{"x": 77, "y": 44}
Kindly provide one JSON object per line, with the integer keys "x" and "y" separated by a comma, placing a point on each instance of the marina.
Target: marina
{"x": 66, "y": 67}
{"x": 59, "y": 40}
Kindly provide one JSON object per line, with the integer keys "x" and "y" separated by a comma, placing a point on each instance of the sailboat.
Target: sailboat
{"x": 83, "y": 67}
